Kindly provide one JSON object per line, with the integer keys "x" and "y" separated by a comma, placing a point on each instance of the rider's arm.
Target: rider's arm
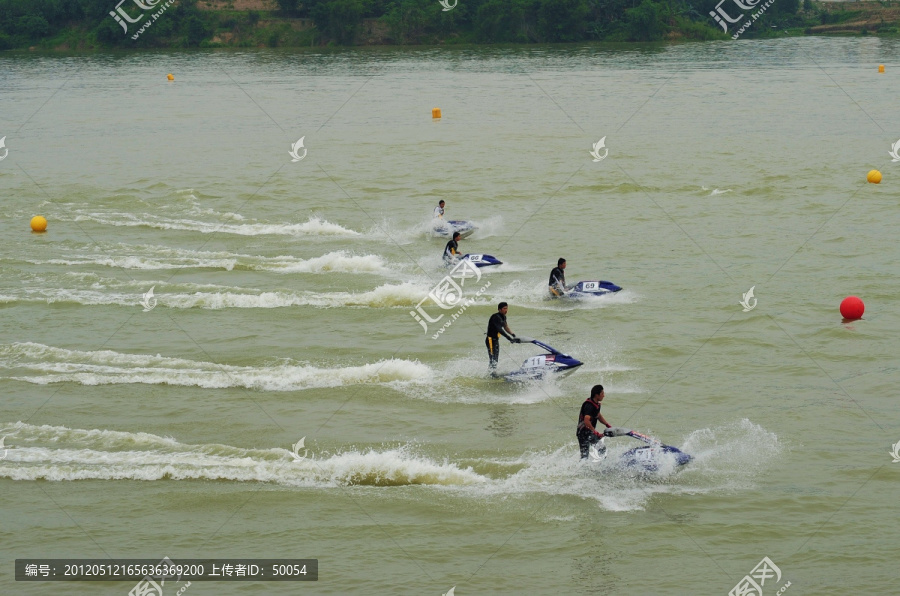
{"x": 505, "y": 332}
{"x": 600, "y": 418}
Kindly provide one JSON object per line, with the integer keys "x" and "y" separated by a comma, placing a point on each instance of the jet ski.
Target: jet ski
{"x": 647, "y": 458}
{"x": 445, "y": 229}
{"x": 585, "y": 289}
{"x": 536, "y": 367}
{"x": 482, "y": 260}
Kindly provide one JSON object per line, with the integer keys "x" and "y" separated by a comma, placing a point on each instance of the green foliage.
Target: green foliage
{"x": 784, "y": 7}
{"x": 499, "y": 21}
{"x": 415, "y": 21}
{"x": 288, "y": 6}
{"x": 562, "y": 20}
{"x": 32, "y": 26}
{"x": 699, "y": 31}
{"x": 409, "y": 19}
{"x": 837, "y": 16}
{"x": 195, "y": 30}
{"x": 340, "y": 20}
{"x": 109, "y": 33}
{"x": 88, "y": 23}
{"x": 645, "y": 22}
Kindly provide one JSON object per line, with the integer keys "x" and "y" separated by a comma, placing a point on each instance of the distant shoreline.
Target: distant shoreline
{"x": 254, "y": 24}
{"x": 856, "y": 17}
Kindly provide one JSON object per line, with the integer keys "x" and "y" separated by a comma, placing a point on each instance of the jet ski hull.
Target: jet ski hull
{"x": 585, "y": 289}
{"x": 482, "y": 260}
{"x": 544, "y": 365}
{"x": 647, "y": 457}
{"x": 445, "y": 229}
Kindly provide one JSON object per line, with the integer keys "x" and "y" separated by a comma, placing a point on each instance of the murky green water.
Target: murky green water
{"x": 284, "y": 289}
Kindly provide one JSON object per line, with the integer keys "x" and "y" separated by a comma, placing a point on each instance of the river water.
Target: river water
{"x": 283, "y": 292}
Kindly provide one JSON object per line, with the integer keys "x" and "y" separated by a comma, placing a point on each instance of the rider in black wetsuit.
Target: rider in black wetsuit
{"x": 496, "y": 326}
{"x": 558, "y": 279}
{"x": 587, "y": 421}
{"x": 451, "y": 251}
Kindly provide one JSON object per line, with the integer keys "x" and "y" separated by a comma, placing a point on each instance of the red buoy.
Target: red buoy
{"x": 852, "y": 308}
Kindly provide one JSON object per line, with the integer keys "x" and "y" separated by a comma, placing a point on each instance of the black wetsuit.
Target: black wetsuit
{"x": 585, "y": 437}
{"x": 451, "y": 251}
{"x": 557, "y": 281}
{"x": 495, "y": 328}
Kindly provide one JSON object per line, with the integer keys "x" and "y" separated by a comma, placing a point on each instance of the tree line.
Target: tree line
{"x": 88, "y": 23}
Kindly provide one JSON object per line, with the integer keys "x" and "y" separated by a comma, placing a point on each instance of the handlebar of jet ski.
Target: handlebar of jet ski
{"x": 616, "y": 431}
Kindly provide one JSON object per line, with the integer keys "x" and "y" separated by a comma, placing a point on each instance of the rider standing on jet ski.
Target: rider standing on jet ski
{"x": 558, "y": 279}
{"x": 587, "y": 421}
{"x": 497, "y": 325}
{"x": 451, "y": 251}
{"x": 439, "y": 210}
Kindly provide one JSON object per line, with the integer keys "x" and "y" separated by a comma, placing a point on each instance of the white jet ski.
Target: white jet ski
{"x": 480, "y": 260}
{"x": 537, "y": 367}
{"x": 584, "y": 289}
{"x": 445, "y": 229}
{"x": 647, "y": 458}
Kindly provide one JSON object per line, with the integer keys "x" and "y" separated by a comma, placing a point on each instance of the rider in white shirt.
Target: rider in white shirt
{"x": 439, "y": 210}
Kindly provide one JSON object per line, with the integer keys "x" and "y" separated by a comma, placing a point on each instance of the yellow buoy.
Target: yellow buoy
{"x": 881, "y": 68}
{"x": 435, "y": 113}
{"x": 38, "y": 223}
{"x": 170, "y": 76}
{"x": 874, "y": 177}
